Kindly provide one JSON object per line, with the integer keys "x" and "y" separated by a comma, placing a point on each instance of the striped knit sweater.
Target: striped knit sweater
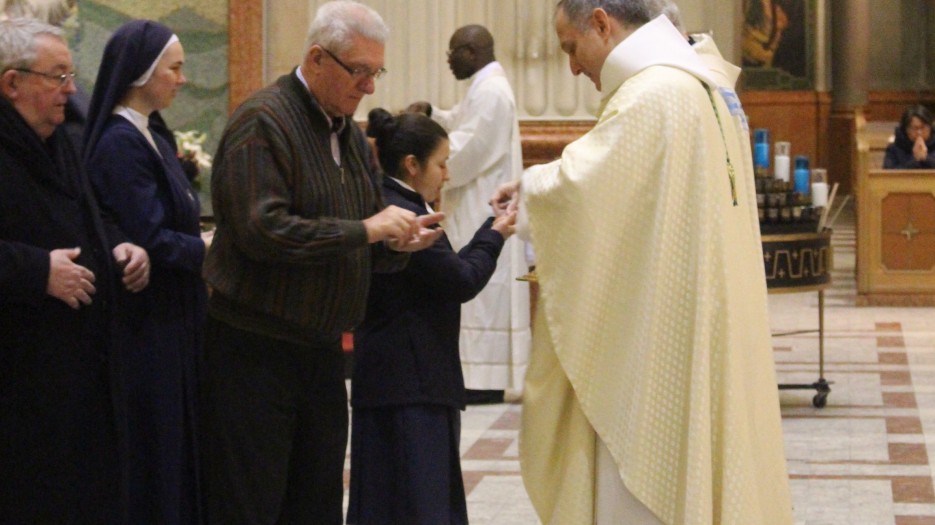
{"x": 290, "y": 257}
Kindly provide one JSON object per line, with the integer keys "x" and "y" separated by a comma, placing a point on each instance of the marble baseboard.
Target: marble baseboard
{"x": 910, "y": 300}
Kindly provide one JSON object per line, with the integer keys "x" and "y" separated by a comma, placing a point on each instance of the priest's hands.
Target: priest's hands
{"x": 506, "y": 198}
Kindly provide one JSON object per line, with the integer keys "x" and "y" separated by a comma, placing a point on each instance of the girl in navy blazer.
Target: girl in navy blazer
{"x": 408, "y": 391}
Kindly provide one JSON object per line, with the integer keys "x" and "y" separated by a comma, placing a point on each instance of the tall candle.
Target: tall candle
{"x": 781, "y": 161}
{"x": 819, "y": 194}
{"x": 761, "y": 148}
{"x": 801, "y": 174}
{"x": 781, "y": 167}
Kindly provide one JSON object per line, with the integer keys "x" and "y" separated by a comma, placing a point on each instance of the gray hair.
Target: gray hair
{"x": 631, "y": 13}
{"x": 671, "y": 10}
{"x": 18, "y": 41}
{"x": 337, "y": 22}
{"x": 53, "y": 12}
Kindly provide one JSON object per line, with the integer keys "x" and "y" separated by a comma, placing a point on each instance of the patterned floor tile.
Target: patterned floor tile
{"x": 864, "y": 459}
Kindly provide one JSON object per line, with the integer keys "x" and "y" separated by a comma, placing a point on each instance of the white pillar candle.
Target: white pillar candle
{"x": 781, "y": 167}
{"x": 819, "y": 194}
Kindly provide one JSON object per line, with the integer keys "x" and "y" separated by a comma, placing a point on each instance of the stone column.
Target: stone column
{"x": 929, "y": 78}
{"x": 850, "y": 37}
{"x": 850, "y": 47}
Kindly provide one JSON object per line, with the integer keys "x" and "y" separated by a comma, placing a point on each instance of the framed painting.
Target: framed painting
{"x": 778, "y": 44}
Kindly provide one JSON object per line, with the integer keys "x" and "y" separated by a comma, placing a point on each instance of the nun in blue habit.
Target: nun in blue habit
{"x": 130, "y": 155}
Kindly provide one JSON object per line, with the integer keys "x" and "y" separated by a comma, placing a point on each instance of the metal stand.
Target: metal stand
{"x": 822, "y": 387}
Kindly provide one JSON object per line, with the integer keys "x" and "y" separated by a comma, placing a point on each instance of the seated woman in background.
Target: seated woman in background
{"x": 132, "y": 162}
{"x": 407, "y": 389}
{"x": 914, "y": 147}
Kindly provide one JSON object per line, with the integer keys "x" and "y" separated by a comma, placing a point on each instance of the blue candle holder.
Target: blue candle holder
{"x": 801, "y": 174}
{"x": 761, "y": 148}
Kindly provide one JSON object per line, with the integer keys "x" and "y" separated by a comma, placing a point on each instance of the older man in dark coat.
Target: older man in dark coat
{"x": 60, "y": 262}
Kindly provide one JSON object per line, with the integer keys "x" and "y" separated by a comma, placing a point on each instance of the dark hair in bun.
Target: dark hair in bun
{"x": 402, "y": 135}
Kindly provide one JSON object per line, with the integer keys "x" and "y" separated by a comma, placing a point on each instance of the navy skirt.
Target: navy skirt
{"x": 406, "y": 467}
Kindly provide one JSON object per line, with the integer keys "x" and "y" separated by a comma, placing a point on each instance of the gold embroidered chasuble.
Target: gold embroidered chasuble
{"x": 651, "y": 332}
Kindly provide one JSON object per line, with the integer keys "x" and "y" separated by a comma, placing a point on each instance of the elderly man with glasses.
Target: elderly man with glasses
{"x": 300, "y": 227}
{"x": 55, "y": 13}
{"x": 60, "y": 261}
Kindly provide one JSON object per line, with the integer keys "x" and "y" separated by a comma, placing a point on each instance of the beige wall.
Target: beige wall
{"x": 525, "y": 44}
{"x": 901, "y": 56}
{"x": 901, "y": 46}
{"x": 285, "y": 24}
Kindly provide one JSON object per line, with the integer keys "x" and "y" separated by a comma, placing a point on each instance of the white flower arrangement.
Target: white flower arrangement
{"x": 190, "y": 148}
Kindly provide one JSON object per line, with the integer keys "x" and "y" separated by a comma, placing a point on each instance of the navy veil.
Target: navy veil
{"x": 129, "y": 53}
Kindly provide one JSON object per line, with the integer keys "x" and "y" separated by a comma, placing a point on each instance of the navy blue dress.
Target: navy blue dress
{"x": 154, "y": 204}
{"x": 407, "y": 389}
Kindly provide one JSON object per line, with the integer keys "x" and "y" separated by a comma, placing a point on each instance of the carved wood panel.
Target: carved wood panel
{"x": 908, "y": 231}
{"x": 896, "y": 237}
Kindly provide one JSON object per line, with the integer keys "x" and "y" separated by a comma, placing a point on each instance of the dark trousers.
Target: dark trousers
{"x": 274, "y": 429}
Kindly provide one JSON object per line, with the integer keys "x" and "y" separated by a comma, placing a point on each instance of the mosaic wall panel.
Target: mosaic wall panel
{"x": 202, "y": 28}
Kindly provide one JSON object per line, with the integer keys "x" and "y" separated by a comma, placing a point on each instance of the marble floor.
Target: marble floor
{"x": 861, "y": 460}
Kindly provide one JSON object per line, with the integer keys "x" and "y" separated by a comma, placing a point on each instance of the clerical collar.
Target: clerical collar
{"x": 655, "y": 43}
{"x": 139, "y": 121}
{"x": 336, "y": 125}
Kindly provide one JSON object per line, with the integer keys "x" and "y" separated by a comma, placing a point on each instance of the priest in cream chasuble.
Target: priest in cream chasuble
{"x": 651, "y": 392}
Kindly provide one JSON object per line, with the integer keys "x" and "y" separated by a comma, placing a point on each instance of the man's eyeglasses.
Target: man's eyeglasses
{"x": 61, "y": 80}
{"x": 360, "y": 73}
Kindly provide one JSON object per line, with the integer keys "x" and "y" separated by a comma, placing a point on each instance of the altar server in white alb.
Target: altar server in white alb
{"x": 651, "y": 393}
{"x": 485, "y": 152}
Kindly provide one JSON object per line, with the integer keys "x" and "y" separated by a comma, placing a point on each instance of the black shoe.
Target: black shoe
{"x": 483, "y": 397}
